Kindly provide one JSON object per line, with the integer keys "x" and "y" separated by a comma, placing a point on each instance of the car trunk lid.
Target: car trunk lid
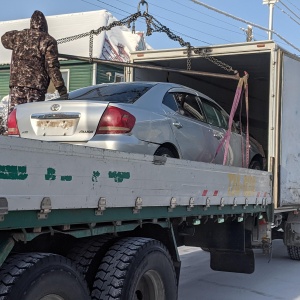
{"x": 60, "y": 120}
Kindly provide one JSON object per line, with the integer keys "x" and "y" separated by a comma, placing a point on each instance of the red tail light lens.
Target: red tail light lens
{"x": 12, "y": 123}
{"x": 115, "y": 120}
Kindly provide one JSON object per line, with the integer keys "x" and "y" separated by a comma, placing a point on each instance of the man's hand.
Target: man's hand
{"x": 63, "y": 92}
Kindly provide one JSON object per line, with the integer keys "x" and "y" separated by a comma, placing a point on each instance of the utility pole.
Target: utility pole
{"x": 271, "y": 9}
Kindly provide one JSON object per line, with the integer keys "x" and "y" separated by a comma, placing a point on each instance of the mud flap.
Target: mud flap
{"x": 229, "y": 244}
{"x": 228, "y": 261}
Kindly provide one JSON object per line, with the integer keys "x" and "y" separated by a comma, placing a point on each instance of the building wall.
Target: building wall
{"x": 79, "y": 74}
{"x": 4, "y": 81}
{"x": 107, "y": 73}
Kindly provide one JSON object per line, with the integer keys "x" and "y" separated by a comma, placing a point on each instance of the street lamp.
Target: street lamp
{"x": 271, "y": 9}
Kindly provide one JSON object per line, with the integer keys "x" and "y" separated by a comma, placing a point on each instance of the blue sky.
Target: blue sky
{"x": 194, "y": 23}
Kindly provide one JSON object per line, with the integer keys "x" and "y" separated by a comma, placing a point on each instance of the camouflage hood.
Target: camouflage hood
{"x": 38, "y": 21}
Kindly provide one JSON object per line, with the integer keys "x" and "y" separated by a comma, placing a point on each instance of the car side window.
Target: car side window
{"x": 211, "y": 114}
{"x": 223, "y": 122}
{"x": 169, "y": 101}
{"x": 188, "y": 106}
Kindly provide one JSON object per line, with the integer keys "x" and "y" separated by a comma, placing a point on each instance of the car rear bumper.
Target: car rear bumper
{"x": 126, "y": 143}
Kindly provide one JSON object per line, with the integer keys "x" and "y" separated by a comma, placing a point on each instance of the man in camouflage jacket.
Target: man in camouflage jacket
{"x": 34, "y": 62}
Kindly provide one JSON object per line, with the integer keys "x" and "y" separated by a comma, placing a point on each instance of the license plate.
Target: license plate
{"x": 58, "y": 127}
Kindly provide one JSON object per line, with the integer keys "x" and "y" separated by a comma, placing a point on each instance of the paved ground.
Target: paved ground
{"x": 277, "y": 280}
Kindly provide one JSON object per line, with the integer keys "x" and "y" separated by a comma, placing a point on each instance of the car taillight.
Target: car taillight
{"x": 115, "y": 120}
{"x": 12, "y": 123}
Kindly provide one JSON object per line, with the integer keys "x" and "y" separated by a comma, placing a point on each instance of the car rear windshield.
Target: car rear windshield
{"x": 120, "y": 92}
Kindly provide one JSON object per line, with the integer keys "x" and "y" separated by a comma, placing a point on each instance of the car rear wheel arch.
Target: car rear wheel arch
{"x": 160, "y": 151}
{"x": 257, "y": 161}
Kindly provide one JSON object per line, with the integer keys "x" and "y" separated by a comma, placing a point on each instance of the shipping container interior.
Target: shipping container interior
{"x": 256, "y": 64}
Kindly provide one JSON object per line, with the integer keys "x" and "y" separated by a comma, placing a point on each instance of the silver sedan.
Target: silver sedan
{"x": 143, "y": 117}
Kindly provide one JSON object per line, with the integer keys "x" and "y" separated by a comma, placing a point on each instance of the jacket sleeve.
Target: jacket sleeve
{"x": 52, "y": 64}
{"x": 8, "y": 39}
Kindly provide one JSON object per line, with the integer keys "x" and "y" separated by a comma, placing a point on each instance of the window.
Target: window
{"x": 188, "y": 106}
{"x": 117, "y": 93}
{"x": 192, "y": 106}
{"x": 119, "y": 77}
{"x": 215, "y": 115}
{"x": 66, "y": 77}
{"x": 211, "y": 114}
{"x": 170, "y": 102}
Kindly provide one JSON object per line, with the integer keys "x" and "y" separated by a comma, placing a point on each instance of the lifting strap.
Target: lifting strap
{"x": 243, "y": 83}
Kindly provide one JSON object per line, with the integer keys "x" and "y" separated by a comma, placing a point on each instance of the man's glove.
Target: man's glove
{"x": 63, "y": 92}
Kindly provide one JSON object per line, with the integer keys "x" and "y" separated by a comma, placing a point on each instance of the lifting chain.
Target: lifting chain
{"x": 222, "y": 65}
{"x": 153, "y": 25}
{"x": 124, "y": 22}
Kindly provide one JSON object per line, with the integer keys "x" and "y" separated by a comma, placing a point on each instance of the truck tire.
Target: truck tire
{"x": 135, "y": 269}
{"x": 294, "y": 252}
{"x": 41, "y": 276}
{"x": 87, "y": 254}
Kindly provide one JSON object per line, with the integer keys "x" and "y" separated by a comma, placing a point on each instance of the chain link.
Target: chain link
{"x": 222, "y": 65}
{"x": 153, "y": 25}
{"x": 124, "y": 22}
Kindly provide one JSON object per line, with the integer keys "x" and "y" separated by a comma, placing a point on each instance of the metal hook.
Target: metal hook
{"x": 143, "y": 2}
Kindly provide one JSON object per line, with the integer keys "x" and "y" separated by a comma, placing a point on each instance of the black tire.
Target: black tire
{"x": 294, "y": 252}
{"x": 255, "y": 165}
{"x": 134, "y": 269}
{"x": 87, "y": 254}
{"x": 205, "y": 249}
{"x": 41, "y": 276}
{"x": 163, "y": 151}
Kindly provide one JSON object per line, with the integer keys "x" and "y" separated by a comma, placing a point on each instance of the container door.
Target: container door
{"x": 290, "y": 135}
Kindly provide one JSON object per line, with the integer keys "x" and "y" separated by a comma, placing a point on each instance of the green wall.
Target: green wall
{"x": 102, "y": 77}
{"x": 81, "y": 75}
{"x": 4, "y": 82}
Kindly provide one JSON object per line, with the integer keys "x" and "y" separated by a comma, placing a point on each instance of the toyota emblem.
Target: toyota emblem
{"x": 55, "y": 107}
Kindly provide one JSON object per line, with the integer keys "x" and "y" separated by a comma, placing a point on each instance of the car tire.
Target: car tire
{"x": 36, "y": 276}
{"x": 255, "y": 164}
{"x": 136, "y": 268}
{"x": 163, "y": 151}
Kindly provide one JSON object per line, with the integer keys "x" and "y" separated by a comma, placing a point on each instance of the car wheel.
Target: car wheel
{"x": 255, "y": 165}
{"x": 163, "y": 151}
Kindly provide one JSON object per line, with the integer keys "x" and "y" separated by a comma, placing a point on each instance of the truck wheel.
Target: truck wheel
{"x": 163, "y": 151}
{"x": 136, "y": 269}
{"x": 294, "y": 252}
{"x": 41, "y": 276}
{"x": 87, "y": 255}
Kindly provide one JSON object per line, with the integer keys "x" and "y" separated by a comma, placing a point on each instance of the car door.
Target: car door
{"x": 218, "y": 119}
{"x": 193, "y": 135}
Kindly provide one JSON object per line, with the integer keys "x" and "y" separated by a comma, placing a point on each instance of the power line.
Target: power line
{"x": 140, "y": 20}
{"x": 293, "y": 5}
{"x": 188, "y": 17}
{"x": 283, "y": 11}
{"x": 289, "y": 10}
{"x": 247, "y": 22}
{"x": 181, "y": 24}
{"x": 209, "y": 17}
{"x": 203, "y": 13}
